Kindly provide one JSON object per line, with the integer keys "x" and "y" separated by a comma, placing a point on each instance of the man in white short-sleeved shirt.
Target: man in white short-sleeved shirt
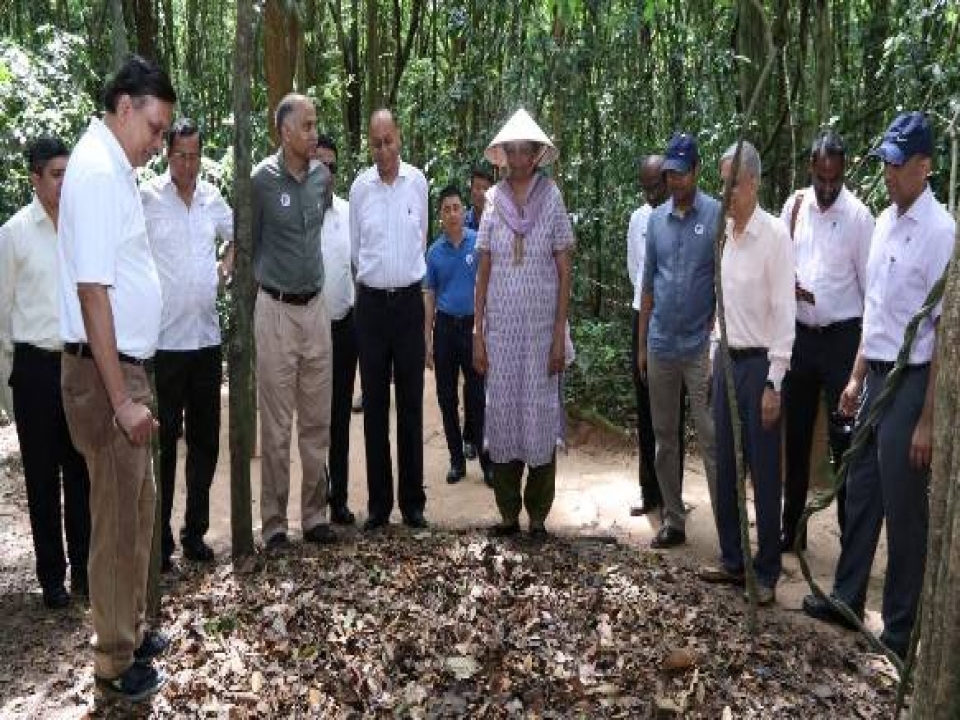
{"x": 339, "y": 293}
{"x": 889, "y": 480}
{"x": 388, "y": 231}
{"x": 831, "y": 231}
{"x": 110, "y": 302}
{"x": 185, "y": 217}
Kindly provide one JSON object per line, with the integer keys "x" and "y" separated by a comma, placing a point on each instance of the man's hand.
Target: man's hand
{"x": 850, "y": 398}
{"x": 921, "y": 445}
{"x": 557, "y": 354}
{"x": 136, "y": 421}
{"x": 642, "y": 364}
{"x": 769, "y": 408}
{"x": 480, "y": 363}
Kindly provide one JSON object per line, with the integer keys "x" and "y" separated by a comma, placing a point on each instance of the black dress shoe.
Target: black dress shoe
{"x": 819, "y": 609}
{"x": 277, "y": 542}
{"x": 342, "y": 516}
{"x": 320, "y": 535}
{"x": 79, "y": 587}
{"x": 456, "y": 473}
{"x": 153, "y": 645}
{"x": 373, "y": 524}
{"x": 668, "y": 537}
{"x": 417, "y": 521}
{"x": 135, "y": 684}
{"x": 56, "y": 598}
{"x": 470, "y": 451}
{"x": 196, "y": 550}
{"x": 504, "y": 529}
{"x": 538, "y": 532}
{"x": 645, "y": 507}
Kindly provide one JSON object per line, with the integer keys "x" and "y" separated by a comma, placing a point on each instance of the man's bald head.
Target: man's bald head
{"x": 296, "y": 120}
{"x": 651, "y": 179}
{"x": 384, "y": 138}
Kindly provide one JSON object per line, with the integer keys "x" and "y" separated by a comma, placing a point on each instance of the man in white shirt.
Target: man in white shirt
{"x": 388, "y": 232}
{"x": 185, "y": 216}
{"x": 756, "y": 272}
{"x": 889, "y": 480}
{"x": 338, "y": 292}
{"x": 30, "y": 331}
{"x": 110, "y": 305}
{"x": 654, "y": 192}
{"x": 831, "y": 232}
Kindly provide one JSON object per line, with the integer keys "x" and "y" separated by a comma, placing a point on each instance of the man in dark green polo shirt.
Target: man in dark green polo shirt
{"x": 290, "y": 193}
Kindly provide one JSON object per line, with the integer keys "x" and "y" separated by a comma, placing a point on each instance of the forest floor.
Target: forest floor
{"x": 446, "y": 623}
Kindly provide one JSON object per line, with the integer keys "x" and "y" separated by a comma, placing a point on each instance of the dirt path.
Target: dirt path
{"x": 44, "y": 657}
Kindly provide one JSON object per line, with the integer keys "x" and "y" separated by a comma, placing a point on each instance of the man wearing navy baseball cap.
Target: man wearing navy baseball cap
{"x": 673, "y": 328}
{"x": 911, "y": 247}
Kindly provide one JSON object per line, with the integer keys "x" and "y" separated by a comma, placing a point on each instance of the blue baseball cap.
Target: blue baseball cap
{"x": 908, "y": 135}
{"x": 681, "y": 154}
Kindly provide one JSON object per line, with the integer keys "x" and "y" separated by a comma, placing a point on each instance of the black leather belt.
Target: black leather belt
{"x": 35, "y": 350}
{"x": 392, "y": 293}
{"x": 883, "y": 367}
{"x": 848, "y": 324}
{"x": 747, "y": 353}
{"x": 85, "y": 351}
{"x": 460, "y": 322}
{"x": 288, "y": 297}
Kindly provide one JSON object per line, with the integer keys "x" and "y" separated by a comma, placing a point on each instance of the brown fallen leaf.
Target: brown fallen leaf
{"x": 679, "y": 660}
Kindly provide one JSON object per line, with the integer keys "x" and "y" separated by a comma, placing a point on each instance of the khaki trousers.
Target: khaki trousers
{"x": 122, "y": 501}
{"x": 294, "y": 373}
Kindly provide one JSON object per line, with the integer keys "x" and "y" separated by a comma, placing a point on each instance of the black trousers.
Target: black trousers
{"x": 822, "y": 361}
{"x": 344, "y": 336}
{"x": 646, "y": 439}
{"x": 188, "y": 398}
{"x": 453, "y": 355}
{"x": 390, "y": 337}
{"x": 48, "y": 455}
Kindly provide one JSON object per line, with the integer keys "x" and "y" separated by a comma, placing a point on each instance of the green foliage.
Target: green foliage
{"x": 600, "y": 379}
{"x": 38, "y": 96}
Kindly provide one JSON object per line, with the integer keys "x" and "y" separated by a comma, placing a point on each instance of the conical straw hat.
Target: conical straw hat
{"x": 520, "y": 128}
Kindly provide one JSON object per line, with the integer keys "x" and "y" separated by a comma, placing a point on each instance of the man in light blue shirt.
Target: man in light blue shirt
{"x": 676, "y": 313}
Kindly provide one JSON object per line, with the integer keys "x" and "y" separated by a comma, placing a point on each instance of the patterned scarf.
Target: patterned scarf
{"x": 521, "y": 219}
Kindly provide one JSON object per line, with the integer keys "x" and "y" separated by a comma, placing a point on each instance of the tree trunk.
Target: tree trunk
{"x": 146, "y": 26}
{"x": 374, "y": 97}
{"x": 281, "y": 48}
{"x": 240, "y": 351}
{"x": 118, "y": 34}
{"x": 937, "y": 693}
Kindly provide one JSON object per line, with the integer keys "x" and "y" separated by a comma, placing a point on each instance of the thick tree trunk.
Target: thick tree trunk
{"x": 146, "y": 25}
{"x": 281, "y": 48}
{"x": 240, "y": 351}
{"x": 937, "y": 693}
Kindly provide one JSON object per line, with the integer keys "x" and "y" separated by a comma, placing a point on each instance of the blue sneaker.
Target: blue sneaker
{"x": 135, "y": 684}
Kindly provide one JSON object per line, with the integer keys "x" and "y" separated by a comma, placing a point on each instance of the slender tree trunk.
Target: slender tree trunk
{"x": 937, "y": 693}
{"x": 146, "y": 26}
{"x": 374, "y": 96}
{"x": 281, "y": 43}
{"x": 118, "y": 33}
{"x": 240, "y": 351}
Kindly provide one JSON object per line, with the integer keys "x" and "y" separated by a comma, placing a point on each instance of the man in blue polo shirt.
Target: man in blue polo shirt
{"x": 676, "y": 313}
{"x": 448, "y": 329}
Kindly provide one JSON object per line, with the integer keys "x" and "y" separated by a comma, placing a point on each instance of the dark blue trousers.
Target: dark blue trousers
{"x": 344, "y": 335}
{"x": 883, "y": 486}
{"x": 453, "y": 355}
{"x": 761, "y": 449}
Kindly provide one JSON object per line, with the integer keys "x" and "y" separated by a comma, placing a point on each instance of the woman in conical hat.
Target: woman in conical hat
{"x": 525, "y": 247}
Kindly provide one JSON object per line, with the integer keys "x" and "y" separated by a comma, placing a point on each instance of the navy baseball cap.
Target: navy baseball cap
{"x": 908, "y": 135}
{"x": 681, "y": 154}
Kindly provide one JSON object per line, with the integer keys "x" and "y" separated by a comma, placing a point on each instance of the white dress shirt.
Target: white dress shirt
{"x": 388, "y": 228}
{"x": 908, "y": 255}
{"x": 29, "y": 301}
{"x": 831, "y": 248}
{"x": 103, "y": 241}
{"x": 637, "y": 248}
{"x": 184, "y": 244}
{"x": 335, "y": 248}
{"x": 758, "y": 290}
